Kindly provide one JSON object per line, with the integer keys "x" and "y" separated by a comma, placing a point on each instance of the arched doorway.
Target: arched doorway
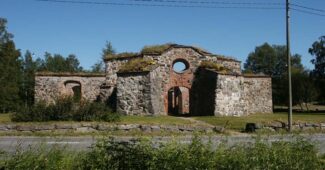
{"x": 73, "y": 88}
{"x": 178, "y": 101}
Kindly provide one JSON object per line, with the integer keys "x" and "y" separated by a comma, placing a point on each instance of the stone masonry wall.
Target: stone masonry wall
{"x": 139, "y": 93}
{"x": 112, "y": 67}
{"x": 258, "y": 94}
{"x": 228, "y": 101}
{"x": 157, "y": 102}
{"x": 234, "y": 95}
{"x": 133, "y": 93}
{"x": 50, "y": 87}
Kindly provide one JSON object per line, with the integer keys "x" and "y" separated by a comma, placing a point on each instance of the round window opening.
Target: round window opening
{"x": 180, "y": 66}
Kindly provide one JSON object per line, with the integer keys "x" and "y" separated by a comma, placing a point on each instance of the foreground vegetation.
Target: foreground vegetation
{"x": 110, "y": 154}
{"x": 65, "y": 109}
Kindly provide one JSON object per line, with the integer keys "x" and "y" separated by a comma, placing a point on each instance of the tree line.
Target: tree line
{"x": 307, "y": 85}
{"x": 17, "y": 71}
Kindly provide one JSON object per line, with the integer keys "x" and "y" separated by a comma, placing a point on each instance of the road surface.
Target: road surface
{"x": 11, "y": 143}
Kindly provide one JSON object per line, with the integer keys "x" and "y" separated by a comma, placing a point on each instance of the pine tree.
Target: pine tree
{"x": 10, "y": 70}
{"x": 27, "y": 90}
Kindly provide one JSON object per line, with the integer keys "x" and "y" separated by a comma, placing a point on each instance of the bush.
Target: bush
{"x": 110, "y": 154}
{"x": 40, "y": 158}
{"x": 143, "y": 154}
{"x": 92, "y": 111}
{"x": 65, "y": 109}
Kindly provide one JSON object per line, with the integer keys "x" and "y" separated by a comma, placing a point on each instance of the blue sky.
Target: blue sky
{"x": 83, "y": 29}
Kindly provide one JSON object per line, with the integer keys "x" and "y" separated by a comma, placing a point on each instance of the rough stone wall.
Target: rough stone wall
{"x": 139, "y": 93}
{"x": 230, "y": 95}
{"x": 133, "y": 93}
{"x": 257, "y": 94}
{"x": 157, "y": 102}
{"x": 111, "y": 68}
{"x": 229, "y": 101}
{"x": 50, "y": 87}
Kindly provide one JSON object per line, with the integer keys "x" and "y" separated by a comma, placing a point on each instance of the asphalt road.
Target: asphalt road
{"x": 11, "y": 143}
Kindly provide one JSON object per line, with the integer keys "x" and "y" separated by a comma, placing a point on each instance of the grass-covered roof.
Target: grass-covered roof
{"x": 214, "y": 66}
{"x": 159, "y": 49}
{"x": 137, "y": 65}
{"x": 69, "y": 74}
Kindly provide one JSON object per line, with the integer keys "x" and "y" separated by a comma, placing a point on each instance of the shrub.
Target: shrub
{"x": 137, "y": 65}
{"x": 65, "y": 109}
{"x": 40, "y": 158}
{"x": 92, "y": 111}
{"x": 60, "y": 110}
{"x": 143, "y": 154}
{"x": 34, "y": 113}
{"x": 110, "y": 154}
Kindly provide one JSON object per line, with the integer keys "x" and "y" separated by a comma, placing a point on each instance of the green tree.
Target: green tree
{"x": 99, "y": 66}
{"x": 58, "y": 63}
{"x": 108, "y": 50}
{"x": 318, "y": 50}
{"x": 73, "y": 63}
{"x": 27, "y": 89}
{"x": 272, "y": 61}
{"x": 10, "y": 70}
{"x": 303, "y": 88}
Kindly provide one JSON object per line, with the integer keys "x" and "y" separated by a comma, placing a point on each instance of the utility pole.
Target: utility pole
{"x": 289, "y": 65}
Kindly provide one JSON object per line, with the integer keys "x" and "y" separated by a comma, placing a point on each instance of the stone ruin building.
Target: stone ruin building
{"x": 147, "y": 83}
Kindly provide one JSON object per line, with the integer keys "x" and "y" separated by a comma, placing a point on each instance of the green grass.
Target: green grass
{"x": 148, "y": 120}
{"x": 154, "y": 120}
{"x": 238, "y": 123}
{"x": 5, "y": 118}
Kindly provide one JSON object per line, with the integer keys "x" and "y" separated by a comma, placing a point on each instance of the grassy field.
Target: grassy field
{"x": 238, "y": 123}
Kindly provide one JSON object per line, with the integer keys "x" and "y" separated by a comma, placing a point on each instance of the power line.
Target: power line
{"x": 307, "y": 12}
{"x": 210, "y": 2}
{"x": 158, "y": 5}
{"x": 308, "y": 8}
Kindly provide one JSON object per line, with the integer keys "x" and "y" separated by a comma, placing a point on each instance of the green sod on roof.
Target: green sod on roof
{"x": 137, "y": 65}
{"x": 214, "y": 66}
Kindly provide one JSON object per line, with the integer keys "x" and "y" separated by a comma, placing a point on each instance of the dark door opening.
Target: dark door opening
{"x": 73, "y": 89}
{"x": 76, "y": 93}
{"x": 178, "y": 101}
